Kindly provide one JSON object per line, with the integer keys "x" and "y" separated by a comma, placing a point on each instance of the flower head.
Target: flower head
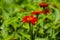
{"x": 29, "y": 19}
{"x": 37, "y": 12}
{"x": 43, "y": 4}
{"x": 46, "y": 11}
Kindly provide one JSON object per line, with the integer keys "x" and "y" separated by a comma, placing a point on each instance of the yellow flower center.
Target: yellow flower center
{"x": 29, "y": 18}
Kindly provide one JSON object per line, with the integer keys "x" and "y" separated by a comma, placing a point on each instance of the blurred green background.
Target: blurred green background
{"x": 12, "y": 11}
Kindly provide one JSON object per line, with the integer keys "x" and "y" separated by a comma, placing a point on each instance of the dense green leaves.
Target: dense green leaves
{"x": 12, "y": 12}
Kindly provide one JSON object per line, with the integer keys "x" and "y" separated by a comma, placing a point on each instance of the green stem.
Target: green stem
{"x": 37, "y": 15}
{"x": 36, "y": 32}
{"x": 52, "y": 34}
{"x": 31, "y": 31}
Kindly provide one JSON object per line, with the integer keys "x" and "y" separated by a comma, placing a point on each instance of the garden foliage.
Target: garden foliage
{"x": 29, "y": 19}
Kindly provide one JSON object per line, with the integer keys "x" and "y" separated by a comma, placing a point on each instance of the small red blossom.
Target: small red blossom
{"x": 43, "y": 4}
{"x": 29, "y": 19}
{"x": 37, "y": 12}
{"x": 47, "y": 11}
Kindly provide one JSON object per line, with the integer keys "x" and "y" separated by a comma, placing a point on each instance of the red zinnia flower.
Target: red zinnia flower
{"x": 37, "y": 12}
{"x": 43, "y": 4}
{"x": 29, "y": 19}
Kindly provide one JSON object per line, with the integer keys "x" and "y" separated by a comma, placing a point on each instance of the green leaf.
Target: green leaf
{"x": 25, "y": 35}
{"x": 26, "y": 26}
